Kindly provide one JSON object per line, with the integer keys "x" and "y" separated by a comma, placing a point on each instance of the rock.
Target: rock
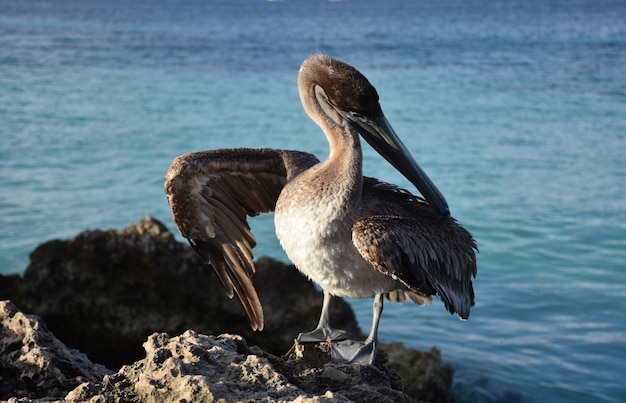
{"x": 104, "y": 292}
{"x": 34, "y": 364}
{"x": 194, "y": 367}
{"x": 424, "y": 374}
{"x": 37, "y": 367}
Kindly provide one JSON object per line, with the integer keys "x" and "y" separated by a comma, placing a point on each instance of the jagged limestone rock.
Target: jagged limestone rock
{"x": 193, "y": 367}
{"x": 105, "y": 292}
{"x": 34, "y": 363}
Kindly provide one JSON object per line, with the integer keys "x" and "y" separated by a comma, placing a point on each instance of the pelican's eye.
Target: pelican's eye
{"x": 327, "y": 107}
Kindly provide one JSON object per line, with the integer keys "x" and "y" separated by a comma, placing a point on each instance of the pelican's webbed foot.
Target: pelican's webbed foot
{"x": 342, "y": 349}
{"x": 323, "y": 331}
{"x": 319, "y": 335}
{"x": 359, "y": 352}
{"x": 322, "y": 334}
{"x": 353, "y": 352}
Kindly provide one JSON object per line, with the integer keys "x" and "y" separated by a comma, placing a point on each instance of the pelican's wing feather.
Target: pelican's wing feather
{"x": 429, "y": 253}
{"x": 211, "y": 193}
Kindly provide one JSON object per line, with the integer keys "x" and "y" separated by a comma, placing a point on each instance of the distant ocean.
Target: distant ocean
{"x": 516, "y": 109}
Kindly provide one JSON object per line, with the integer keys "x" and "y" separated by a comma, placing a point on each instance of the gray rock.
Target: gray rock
{"x": 34, "y": 364}
{"x": 198, "y": 368}
{"x": 104, "y": 292}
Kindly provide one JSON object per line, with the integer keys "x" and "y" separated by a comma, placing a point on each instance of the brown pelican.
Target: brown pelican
{"x": 355, "y": 236}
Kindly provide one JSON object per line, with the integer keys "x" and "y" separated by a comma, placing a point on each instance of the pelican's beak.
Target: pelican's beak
{"x": 381, "y": 136}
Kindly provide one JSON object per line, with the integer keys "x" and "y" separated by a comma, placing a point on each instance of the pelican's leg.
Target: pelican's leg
{"x": 360, "y": 352}
{"x": 323, "y": 332}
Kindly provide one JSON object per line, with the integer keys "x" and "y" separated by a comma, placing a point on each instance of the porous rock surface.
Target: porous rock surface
{"x": 197, "y": 368}
{"x": 105, "y": 292}
{"x": 34, "y": 363}
{"x": 188, "y": 368}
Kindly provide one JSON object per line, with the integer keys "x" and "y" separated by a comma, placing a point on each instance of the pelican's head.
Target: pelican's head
{"x": 335, "y": 92}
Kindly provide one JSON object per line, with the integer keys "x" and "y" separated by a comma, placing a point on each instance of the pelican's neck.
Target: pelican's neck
{"x": 345, "y": 148}
{"x": 344, "y": 163}
{"x": 340, "y": 177}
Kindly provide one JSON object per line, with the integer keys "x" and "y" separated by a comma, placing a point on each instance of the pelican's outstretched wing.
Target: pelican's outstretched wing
{"x": 428, "y": 252}
{"x": 211, "y": 193}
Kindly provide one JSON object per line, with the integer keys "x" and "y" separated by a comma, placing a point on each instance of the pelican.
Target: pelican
{"x": 355, "y": 236}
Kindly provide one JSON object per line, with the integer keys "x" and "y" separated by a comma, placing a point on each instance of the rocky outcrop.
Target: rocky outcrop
{"x": 425, "y": 376}
{"x": 35, "y": 366}
{"x": 34, "y": 363}
{"x": 106, "y": 292}
{"x": 198, "y": 368}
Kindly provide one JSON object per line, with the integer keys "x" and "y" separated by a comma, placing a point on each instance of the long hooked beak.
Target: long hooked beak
{"x": 381, "y": 136}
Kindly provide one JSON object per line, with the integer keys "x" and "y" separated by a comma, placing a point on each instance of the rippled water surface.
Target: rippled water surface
{"x": 517, "y": 110}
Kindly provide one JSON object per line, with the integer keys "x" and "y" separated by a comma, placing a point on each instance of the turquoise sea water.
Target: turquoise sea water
{"x": 516, "y": 109}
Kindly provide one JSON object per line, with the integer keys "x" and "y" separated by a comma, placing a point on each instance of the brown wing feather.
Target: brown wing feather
{"x": 429, "y": 253}
{"x": 211, "y": 193}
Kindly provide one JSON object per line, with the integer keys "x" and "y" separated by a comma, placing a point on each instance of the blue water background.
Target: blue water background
{"x": 516, "y": 109}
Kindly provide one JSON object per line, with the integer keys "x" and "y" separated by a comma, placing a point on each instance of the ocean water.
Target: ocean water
{"x": 516, "y": 109}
